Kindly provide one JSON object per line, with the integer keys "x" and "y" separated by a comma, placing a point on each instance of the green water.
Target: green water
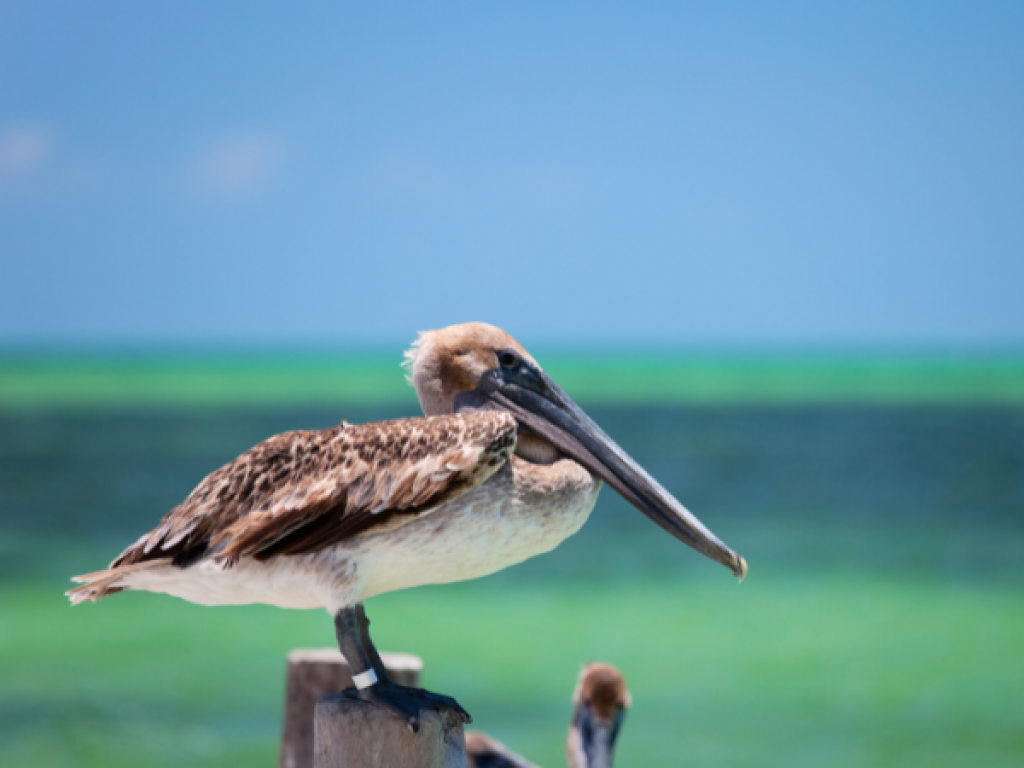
{"x": 637, "y": 377}
{"x": 881, "y": 624}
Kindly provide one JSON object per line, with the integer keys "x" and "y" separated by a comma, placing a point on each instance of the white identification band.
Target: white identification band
{"x": 365, "y": 679}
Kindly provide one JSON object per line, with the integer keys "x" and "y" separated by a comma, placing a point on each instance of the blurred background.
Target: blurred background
{"x": 776, "y": 251}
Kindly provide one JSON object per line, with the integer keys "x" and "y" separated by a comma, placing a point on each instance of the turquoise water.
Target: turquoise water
{"x": 880, "y": 625}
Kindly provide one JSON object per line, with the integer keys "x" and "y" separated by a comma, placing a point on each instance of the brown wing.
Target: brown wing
{"x": 303, "y": 491}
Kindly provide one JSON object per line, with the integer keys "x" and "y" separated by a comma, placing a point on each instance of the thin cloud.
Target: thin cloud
{"x": 238, "y": 166}
{"x": 23, "y": 150}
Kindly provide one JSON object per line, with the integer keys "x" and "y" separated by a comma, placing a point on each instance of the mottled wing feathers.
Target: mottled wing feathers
{"x": 300, "y": 492}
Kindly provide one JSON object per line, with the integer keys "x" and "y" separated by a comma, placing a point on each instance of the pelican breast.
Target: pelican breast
{"x": 523, "y": 510}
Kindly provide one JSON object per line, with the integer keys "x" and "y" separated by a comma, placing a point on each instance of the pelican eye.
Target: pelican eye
{"x": 508, "y": 359}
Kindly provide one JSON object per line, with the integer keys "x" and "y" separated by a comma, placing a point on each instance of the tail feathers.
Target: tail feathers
{"x": 102, "y": 583}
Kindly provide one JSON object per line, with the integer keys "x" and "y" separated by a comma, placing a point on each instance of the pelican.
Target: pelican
{"x": 599, "y": 708}
{"x": 502, "y": 467}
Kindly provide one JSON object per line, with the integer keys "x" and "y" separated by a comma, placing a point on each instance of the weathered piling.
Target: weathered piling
{"x": 351, "y": 733}
{"x": 317, "y": 672}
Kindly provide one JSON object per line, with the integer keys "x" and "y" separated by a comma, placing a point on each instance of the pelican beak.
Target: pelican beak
{"x": 594, "y": 737}
{"x": 542, "y": 408}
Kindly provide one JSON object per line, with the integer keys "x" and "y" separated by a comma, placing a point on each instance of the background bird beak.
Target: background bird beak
{"x": 597, "y": 738}
{"x": 541, "y": 407}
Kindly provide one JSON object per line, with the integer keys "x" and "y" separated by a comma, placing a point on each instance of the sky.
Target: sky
{"x": 755, "y": 174}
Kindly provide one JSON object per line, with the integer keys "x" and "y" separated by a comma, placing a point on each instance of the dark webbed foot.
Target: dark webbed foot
{"x": 407, "y": 703}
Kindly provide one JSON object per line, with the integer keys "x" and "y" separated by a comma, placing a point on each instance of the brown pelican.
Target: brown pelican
{"x": 599, "y": 708}
{"x": 504, "y": 466}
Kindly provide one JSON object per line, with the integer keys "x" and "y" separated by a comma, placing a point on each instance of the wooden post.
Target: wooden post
{"x": 351, "y": 733}
{"x": 317, "y": 672}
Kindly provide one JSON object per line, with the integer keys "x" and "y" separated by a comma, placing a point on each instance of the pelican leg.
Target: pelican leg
{"x": 371, "y": 678}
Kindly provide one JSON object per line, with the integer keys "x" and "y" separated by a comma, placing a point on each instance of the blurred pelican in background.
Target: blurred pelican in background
{"x": 599, "y": 703}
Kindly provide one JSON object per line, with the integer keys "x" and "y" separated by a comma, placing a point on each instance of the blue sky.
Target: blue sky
{"x": 716, "y": 173}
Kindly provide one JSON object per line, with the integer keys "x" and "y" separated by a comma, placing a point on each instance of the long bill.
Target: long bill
{"x": 543, "y": 408}
{"x": 591, "y": 741}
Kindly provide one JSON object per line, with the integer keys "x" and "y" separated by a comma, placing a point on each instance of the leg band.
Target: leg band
{"x": 365, "y": 679}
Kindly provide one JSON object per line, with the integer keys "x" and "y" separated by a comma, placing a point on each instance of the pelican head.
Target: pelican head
{"x": 476, "y": 366}
{"x": 599, "y": 707}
